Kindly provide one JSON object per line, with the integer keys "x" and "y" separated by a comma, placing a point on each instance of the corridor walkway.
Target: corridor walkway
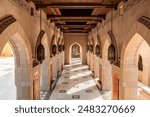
{"x": 77, "y": 83}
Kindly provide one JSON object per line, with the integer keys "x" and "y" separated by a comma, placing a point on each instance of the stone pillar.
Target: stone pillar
{"x": 45, "y": 76}
{"x": 96, "y": 66}
{"x": 24, "y": 83}
{"x": 63, "y": 58}
{"x": 128, "y": 83}
{"x": 54, "y": 67}
{"x": 106, "y": 76}
{"x": 88, "y": 61}
{"x": 90, "y": 56}
{"x": 91, "y": 61}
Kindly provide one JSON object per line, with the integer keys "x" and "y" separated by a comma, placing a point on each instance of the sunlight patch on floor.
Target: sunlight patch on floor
{"x": 77, "y": 83}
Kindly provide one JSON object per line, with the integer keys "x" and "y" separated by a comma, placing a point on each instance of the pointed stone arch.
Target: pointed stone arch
{"x": 70, "y": 51}
{"x": 11, "y": 31}
{"x": 137, "y": 40}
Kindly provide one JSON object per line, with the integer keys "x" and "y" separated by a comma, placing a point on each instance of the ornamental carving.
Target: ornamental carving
{"x": 5, "y": 22}
{"x": 54, "y": 49}
{"x": 40, "y": 53}
{"x": 97, "y": 50}
{"x": 113, "y": 51}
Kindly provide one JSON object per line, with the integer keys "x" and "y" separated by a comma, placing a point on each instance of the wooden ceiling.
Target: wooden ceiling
{"x": 76, "y": 15}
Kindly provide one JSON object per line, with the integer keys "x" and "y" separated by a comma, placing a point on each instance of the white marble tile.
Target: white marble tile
{"x": 77, "y": 84}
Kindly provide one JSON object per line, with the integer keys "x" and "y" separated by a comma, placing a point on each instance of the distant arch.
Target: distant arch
{"x": 70, "y": 51}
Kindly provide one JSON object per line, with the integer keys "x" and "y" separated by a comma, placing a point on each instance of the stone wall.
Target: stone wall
{"x": 79, "y": 38}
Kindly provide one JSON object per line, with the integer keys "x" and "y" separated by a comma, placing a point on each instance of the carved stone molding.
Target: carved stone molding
{"x": 145, "y": 21}
{"x": 5, "y": 22}
{"x": 97, "y": 50}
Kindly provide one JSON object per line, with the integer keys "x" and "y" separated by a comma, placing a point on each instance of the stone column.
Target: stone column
{"x": 106, "y": 76}
{"x": 88, "y": 62}
{"x": 63, "y": 58}
{"x": 128, "y": 83}
{"x": 96, "y": 66}
{"x": 45, "y": 76}
{"x": 55, "y": 67}
{"x": 91, "y": 61}
{"x": 24, "y": 83}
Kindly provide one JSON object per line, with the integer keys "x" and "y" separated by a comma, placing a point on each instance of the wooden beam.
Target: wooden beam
{"x": 75, "y": 31}
{"x": 28, "y": 1}
{"x": 76, "y": 26}
{"x": 75, "y": 20}
{"x": 99, "y": 17}
{"x": 75, "y": 5}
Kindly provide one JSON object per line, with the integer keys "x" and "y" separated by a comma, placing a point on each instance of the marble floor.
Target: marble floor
{"x": 7, "y": 79}
{"x": 76, "y": 83}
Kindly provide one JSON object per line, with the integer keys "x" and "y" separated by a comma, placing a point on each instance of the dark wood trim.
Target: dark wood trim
{"x": 5, "y": 22}
{"x": 145, "y": 21}
{"x": 99, "y": 17}
{"x": 74, "y": 5}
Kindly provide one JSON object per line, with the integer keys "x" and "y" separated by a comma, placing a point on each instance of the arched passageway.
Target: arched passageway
{"x": 75, "y": 53}
{"x": 7, "y": 74}
{"x": 136, "y": 51}
{"x": 22, "y": 56}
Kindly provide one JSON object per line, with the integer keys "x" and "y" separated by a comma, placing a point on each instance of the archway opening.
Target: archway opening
{"x": 136, "y": 66}
{"x": 75, "y": 51}
{"x": 75, "y": 54}
{"x": 7, "y": 74}
{"x": 21, "y": 68}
